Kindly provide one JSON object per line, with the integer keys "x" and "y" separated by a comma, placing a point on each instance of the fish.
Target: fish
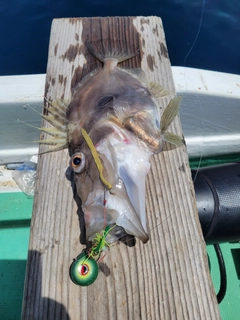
{"x": 111, "y": 128}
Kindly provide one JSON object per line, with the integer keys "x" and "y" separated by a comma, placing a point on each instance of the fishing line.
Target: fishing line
{"x": 197, "y": 35}
{"x": 222, "y": 268}
{"x": 104, "y": 209}
{"x": 185, "y": 78}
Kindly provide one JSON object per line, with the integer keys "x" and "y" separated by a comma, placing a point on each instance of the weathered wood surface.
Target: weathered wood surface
{"x": 168, "y": 277}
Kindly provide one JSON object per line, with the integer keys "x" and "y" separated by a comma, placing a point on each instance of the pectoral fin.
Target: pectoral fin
{"x": 173, "y": 139}
{"x": 169, "y": 113}
{"x": 157, "y": 90}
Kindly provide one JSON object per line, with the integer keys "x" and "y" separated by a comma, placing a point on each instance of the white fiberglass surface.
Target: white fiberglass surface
{"x": 210, "y": 113}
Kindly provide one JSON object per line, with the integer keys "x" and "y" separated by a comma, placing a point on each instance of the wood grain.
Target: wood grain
{"x": 167, "y": 278}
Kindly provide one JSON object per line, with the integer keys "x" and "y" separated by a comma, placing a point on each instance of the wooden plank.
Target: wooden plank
{"x": 167, "y": 278}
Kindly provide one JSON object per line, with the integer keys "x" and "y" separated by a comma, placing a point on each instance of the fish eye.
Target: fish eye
{"x": 77, "y": 162}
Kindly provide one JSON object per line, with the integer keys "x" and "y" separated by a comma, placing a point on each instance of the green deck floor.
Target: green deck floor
{"x": 230, "y": 305}
{"x": 15, "y": 216}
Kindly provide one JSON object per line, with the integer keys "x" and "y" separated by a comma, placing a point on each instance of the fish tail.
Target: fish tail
{"x": 105, "y": 50}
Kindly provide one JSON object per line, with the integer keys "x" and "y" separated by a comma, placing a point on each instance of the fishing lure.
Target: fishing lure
{"x": 84, "y": 269}
{"x": 96, "y": 158}
{"x": 100, "y": 244}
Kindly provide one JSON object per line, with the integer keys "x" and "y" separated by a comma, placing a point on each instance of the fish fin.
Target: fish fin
{"x": 56, "y": 143}
{"x": 52, "y": 141}
{"x": 86, "y": 75}
{"x": 58, "y": 131}
{"x": 57, "y": 118}
{"x": 51, "y": 130}
{"x": 173, "y": 139}
{"x": 137, "y": 73}
{"x": 169, "y": 113}
{"x": 56, "y": 147}
{"x": 157, "y": 90}
{"x": 58, "y": 108}
{"x": 166, "y": 146}
{"x": 55, "y": 122}
{"x": 108, "y": 49}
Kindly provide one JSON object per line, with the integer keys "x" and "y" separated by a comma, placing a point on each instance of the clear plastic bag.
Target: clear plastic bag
{"x": 25, "y": 176}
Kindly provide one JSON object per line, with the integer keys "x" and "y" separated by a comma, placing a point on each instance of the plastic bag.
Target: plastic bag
{"x": 25, "y": 176}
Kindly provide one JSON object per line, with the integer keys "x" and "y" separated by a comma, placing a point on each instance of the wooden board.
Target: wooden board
{"x": 167, "y": 278}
